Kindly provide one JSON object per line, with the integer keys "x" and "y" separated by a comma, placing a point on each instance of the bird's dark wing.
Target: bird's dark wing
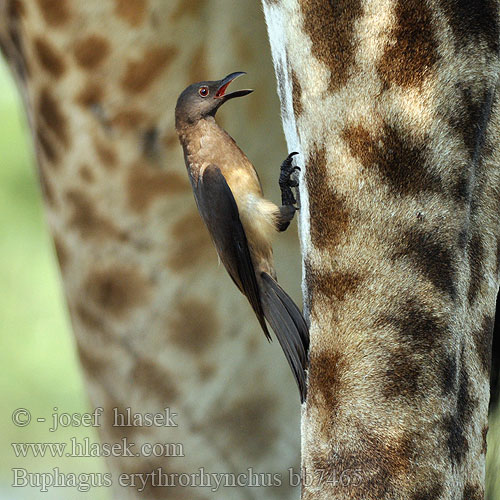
{"x": 220, "y": 213}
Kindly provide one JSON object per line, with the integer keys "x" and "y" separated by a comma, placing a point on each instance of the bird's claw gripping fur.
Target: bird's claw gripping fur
{"x": 286, "y": 182}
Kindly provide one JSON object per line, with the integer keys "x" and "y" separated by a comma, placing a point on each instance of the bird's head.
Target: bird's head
{"x": 203, "y": 99}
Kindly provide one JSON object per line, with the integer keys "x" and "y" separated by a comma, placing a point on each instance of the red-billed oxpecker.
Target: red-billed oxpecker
{"x": 240, "y": 220}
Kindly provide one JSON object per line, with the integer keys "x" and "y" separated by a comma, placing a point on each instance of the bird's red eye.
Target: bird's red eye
{"x": 203, "y": 91}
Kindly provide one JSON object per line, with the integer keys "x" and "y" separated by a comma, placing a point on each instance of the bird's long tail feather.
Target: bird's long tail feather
{"x": 290, "y": 328}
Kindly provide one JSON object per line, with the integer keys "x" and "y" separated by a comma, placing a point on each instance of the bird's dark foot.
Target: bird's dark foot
{"x": 286, "y": 182}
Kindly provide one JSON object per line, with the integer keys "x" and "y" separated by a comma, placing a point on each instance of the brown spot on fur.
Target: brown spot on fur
{"x": 93, "y": 362}
{"x": 330, "y": 26}
{"x": 117, "y": 290}
{"x": 457, "y": 424}
{"x": 48, "y": 57}
{"x": 473, "y": 22}
{"x": 296, "y": 95}
{"x": 191, "y": 8}
{"x": 131, "y": 11}
{"x": 336, "y": 284}
{"x": 152, "y": 377}
{"x": 419, "y": 327}
{"x": 476, "y": 259}
{"x": 89, "y": 319}
{"x": 16, "y": 9}
{"x": 329, "y": 215}
{"x": 483, "y": 339}
{"x": 91, "y": 51}
{"x": 431, "y": 257}
{"x": 402, "y": 376}
{"x": 247, "y": 425}
{"x": 193, "y": 325}
{"x": 448, "y": 371}
{"x": 141, "y": 73}
{"x": 52, "y": 116}
{"x": 432, "y": 492}
{"x": 86, "y": 219}
{"x": 146, "y": 184}
{"x": 191, "y": 244}
{"x": 373, "y": 464}
{"x": 412, "y": 52}
{"x": 61, "y": 252}
{"x": 119, "y": 432}
{"x": 397, "y": 157}
{"x": 106, "y": 155}
{"x": 129, "y": 118}
{"x": 326, "y": 380}
{"x": 473, "y": 492}
{"x": 86, "y": 173}
{"x": 55, "y": 12}
{"x": 90, "y": 95}
{"x": 469, "y": 119}
{"x": 16, "y": 56}
{"x": 46, "y": 147}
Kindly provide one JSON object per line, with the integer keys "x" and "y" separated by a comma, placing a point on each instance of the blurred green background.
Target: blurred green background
{"x": 39, "y": 368}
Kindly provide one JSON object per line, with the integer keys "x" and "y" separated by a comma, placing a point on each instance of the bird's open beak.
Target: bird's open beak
{"x": 224, "y": 83}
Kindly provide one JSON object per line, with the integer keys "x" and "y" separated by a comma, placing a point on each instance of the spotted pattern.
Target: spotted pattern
{"x": 53, "y": 117}
{"x": 153, "y": 377}
{"x": 434, "y": 259}
{"x": 473, "y": 492}
{"x": 90, "y": 95}
{"x": 412, "y": 52}
{"x": 87, "y": 220}
{"x": 55, "y": 12}
{"x": 190, "y": 244}
{"x": 91, "y": 51}
{"x": 117, "y": 291}
{"x": 474, "y": 22}
{"x": 403, "y": 376}
{"x": 397, "y": 233}
{"x": 327, "y": 379}
{"x": 330, "y": 26}
{"x": 194, "y": 325}
{"x": 329, "y": 214}
{"x": 399, "y": 162}
{"x": 416, "y": 326}
{"x": 49, "y": 58}
{"x": 141, "y": 73}
{"x": 373, "y": 465}
{"x": 254, "y": 431}
{"x": 456, "y": 425}
{"x": 336, "y": 285}
{"x": 483, "y": 339}
{"x": 395, "y": 156}
{"x": 146, "y": 184}
{"x": 133, "y": 12}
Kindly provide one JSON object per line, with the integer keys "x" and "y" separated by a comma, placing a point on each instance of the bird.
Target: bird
{"x": 241, "y": 222}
